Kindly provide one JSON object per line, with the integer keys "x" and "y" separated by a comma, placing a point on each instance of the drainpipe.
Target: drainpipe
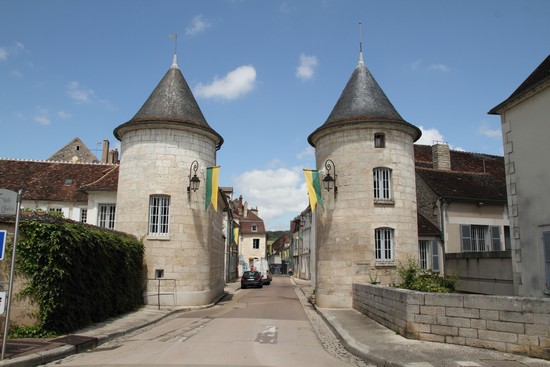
{"x": 443, "y": 204}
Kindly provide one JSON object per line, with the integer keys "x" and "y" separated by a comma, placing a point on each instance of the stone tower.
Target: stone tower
{"x": 369, "y": 223}
{"x": 183, "y": 241}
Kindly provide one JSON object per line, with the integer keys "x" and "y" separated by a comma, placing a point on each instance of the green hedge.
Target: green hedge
{"x": 79, "y": 274}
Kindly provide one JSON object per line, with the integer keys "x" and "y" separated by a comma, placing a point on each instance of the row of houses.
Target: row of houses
{"x": 481, "y": 217}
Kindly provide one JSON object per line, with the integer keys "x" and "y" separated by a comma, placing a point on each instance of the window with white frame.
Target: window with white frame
{"x": 254, "y": 228}
{"x": 84, "y": 215}
{"x": 383, "y": 248}
{"x": 106, "y": 216}
{"x": 255, "y": 243}
{"x": 159, "y": 214}
{"x": 429, "y": 255}
{"x": 477, "y": 238}
{"x": 382, "y": 184}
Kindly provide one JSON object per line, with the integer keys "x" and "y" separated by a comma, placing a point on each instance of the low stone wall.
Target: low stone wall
{"x": 509, "y": 324}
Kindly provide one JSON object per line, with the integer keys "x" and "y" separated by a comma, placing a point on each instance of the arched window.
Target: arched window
{"x": 382, "y": 184}
{"x": 159, "y": 214}
{"x": 383, "y": 247}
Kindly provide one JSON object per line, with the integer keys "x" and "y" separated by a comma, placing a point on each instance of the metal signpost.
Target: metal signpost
{"x": 10, "y": 203}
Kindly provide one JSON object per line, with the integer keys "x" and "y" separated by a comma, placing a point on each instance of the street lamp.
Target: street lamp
{"x": 194, "y": 181}
{"x": 329, "y": 182}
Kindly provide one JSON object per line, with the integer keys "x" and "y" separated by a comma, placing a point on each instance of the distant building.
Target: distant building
{"x": 525, "y": 121}
{"x": 253, "y": 236}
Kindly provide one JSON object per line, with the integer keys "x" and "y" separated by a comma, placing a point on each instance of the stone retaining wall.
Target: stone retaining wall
{"x": 509, "y": 324}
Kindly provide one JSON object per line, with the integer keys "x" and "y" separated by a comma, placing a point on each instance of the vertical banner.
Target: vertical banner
{"x": 212, "y": 176}
{"x": 313, "y": 182}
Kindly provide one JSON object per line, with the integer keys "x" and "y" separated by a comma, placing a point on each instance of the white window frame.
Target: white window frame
{"x": 84, "y": 215}
{"x": 428, "y": 253}
{"x": 106, "y": 215}
{"x": 254, "y": 228}
{"x": 382, "y": 184}
{"x": 480, "y": 238}
{"x": 159, "y": 215}
{"x": 384, "y": 246}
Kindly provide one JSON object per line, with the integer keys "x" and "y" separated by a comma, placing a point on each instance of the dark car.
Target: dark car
{"x": 251, "y": 279}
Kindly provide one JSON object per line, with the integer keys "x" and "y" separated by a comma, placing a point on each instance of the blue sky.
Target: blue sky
{"x": 266, "y": 74}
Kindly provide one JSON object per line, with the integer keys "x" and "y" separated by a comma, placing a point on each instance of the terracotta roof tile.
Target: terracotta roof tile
{"x": 54, "y": 181}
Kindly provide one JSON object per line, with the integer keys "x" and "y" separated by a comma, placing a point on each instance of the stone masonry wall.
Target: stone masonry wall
{"x": 510, "y": 324}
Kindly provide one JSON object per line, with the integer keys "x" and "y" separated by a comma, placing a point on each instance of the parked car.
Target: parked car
{"x": 251, "y": 279}
{"x": 267, "y": 277}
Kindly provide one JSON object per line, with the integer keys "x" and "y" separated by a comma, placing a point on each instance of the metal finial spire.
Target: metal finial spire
{"x": 360, "y": 45}
{"x": 175, "y": 59}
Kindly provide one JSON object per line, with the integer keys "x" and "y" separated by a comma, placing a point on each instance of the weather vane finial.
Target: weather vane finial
{"x": 360, "y": 44}
{"x": 175, "y": 59}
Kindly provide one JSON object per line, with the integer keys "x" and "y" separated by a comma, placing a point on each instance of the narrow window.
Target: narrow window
{"x": 255, "y": 243}
{"x": 84, "y": 215}
{"x": 159, "y": 214}
{"x": 423, "y": 253}
{"x": 379, "y": 140}
{"x": 383, "y": 243}
{"x": 382, "y": 184}
{"x": 106, "y": 216}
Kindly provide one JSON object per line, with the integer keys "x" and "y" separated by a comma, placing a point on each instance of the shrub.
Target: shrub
{"x": 418, "y": 279}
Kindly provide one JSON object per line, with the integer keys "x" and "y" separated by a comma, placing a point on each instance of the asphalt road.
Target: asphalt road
{"x": 257, "y": 327}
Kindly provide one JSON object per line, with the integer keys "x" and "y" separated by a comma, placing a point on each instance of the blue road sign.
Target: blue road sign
{"x": 3, "y": 236}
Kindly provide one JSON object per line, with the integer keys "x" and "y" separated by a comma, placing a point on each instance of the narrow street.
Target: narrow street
{"x": 269, "y": 326}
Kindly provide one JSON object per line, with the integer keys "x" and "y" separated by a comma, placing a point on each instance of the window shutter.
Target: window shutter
{"x": 465, "y": 238}
{"x": 546, "y": 244}
{"x": 435, "y": 257}
{"x": 495, "y": 238}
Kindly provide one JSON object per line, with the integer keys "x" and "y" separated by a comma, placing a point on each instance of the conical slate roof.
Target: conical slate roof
{"x": 363, "y": 101}
{"x": 171, "y": 102}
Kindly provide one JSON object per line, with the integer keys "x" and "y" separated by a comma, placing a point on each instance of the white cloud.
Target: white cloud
{"x": 42, "y": 117}
{"x": 234, "y": 85}
{"x": 64, "y": 114}
{"x": 78, "y": 94}
{"x": 198, "y": 25}
{"x": 491, "y": 133}
{"x": 429, "y": 136}
{"x": 16, "y": 73}
{"x": 306, "y": 69}
{"x": 3, "y": 54}
{"x": 279, "y": 194}
{"x": 440, "y": 67}
{"x": 309, "y": 151}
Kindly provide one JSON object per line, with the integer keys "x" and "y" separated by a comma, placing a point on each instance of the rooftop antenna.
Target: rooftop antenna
{"x": 360, "y": 45}
{"x": 175, "y": 59}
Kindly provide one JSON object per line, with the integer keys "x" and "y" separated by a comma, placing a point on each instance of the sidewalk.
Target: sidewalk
{"x": 358, "y": 333}
{"x": 381, "y": 346}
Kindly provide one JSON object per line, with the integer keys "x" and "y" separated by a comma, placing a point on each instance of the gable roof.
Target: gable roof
{"x": 171, "y": 102}
{"x": 425, "y": 227}
{"x": 55, "y": 181}
{"x": 74, "y": 151}
{"x": 247, "y": 223}
{"x": 538, "y": 77}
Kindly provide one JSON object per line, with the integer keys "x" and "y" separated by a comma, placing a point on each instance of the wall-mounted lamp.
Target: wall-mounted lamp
{"x": 329, "y": 182}
{"x": 194, "y": 182}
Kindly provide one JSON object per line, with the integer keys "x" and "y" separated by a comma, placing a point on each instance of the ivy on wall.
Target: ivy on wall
{"x": 79, "y": 274}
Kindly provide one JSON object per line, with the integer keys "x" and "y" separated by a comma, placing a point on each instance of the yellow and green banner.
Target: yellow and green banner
{"x": 212, "y": 176}
{"x": 313, "y": 182}
{"x": 236, "y": 235}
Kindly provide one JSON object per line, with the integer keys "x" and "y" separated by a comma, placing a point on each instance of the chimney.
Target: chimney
{"x": 240, "y": 203}
{"x": 105, "y": 152}
{"x": 441, "y": 156}
{"x": 113, "y": 156}
{"x": 245, "y": 210}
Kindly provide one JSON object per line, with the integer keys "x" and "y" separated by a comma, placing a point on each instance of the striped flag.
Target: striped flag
{"x": 313, "y": 182}
{"x": 212, "y": 175}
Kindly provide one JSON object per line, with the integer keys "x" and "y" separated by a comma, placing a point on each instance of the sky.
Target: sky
{"x": 265, "y": 74}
